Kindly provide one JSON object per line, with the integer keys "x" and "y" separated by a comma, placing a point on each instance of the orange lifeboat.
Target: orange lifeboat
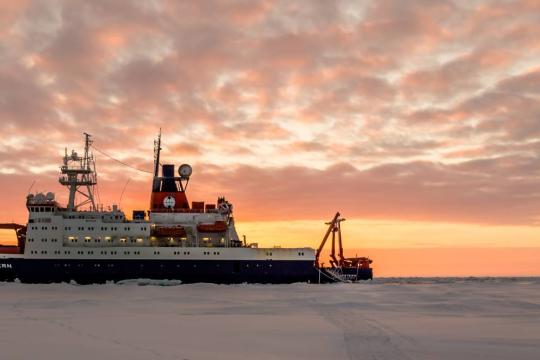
{"x": 169, "y": 231}
{"x": 218, "y": 226}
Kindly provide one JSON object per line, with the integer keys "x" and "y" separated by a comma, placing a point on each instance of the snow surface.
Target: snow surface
{"x": 383, "y": 319}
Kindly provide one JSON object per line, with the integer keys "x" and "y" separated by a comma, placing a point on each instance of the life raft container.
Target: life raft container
{"x": 169, "y": 231}
{"x": 218, "y": 226}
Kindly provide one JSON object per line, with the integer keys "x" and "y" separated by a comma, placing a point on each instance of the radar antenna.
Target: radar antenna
{"x": 79, "y": 175}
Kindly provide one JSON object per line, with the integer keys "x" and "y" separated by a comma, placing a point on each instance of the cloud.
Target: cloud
{"x": 480, "y": 191}
{"x": 408, "y": 107}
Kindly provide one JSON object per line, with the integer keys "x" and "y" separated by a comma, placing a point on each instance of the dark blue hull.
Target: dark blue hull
{"x": 186, "y": 271}
{"x": 7, "y": 272}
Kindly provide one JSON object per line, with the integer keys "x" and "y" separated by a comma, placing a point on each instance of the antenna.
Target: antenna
{"x": 122, "y": 194}
{"x": 79, "y": 175}
{"x": 157, "y": 150}
{"x": 31, "y": 186}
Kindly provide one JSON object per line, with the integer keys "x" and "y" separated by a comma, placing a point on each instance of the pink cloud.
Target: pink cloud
{"x": 424, "y": 110}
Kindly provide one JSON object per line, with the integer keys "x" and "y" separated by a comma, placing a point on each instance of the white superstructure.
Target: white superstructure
{"x": 172, "y": 229}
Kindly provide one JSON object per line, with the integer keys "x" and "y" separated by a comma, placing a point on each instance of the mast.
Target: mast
{"x": 79, "y": 175}
{"x": 157, "y": 150}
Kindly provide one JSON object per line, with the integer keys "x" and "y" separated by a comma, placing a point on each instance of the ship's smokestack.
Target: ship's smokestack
{"x": 169, "y": 183}
{"x": 168, "y": 171}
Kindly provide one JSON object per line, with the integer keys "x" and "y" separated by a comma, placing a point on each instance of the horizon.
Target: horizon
{"x": 418, "y": 121}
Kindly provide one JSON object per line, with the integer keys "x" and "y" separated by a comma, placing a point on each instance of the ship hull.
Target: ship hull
{"x": 186, "y": 271}
{"x": 7, "y": 272}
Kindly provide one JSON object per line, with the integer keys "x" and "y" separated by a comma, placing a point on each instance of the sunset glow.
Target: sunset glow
{"x": 418, "y": 120}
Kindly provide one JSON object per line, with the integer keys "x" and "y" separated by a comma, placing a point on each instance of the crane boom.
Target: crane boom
{"x": 325, "y": 238}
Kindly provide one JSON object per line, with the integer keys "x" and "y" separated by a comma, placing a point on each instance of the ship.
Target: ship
{"x": 193, "y": 242}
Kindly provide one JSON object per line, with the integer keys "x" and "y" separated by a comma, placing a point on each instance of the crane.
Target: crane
{"x": 339, "y": 261}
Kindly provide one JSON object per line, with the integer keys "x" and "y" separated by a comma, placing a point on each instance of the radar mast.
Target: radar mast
{"x": 79, "y": 175}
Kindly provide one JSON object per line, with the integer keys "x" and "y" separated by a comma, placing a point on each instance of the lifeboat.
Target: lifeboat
{"x": 169, "y": 231}
{"x": 218, "y": 226}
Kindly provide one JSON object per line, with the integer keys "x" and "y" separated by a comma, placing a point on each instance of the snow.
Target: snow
{"x": 383, "y": 319}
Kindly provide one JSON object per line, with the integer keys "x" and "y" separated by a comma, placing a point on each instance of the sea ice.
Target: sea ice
{"x": 385, "y": 319}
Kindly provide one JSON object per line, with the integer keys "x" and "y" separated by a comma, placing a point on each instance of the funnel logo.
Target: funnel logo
{"x": 169, "y": 202}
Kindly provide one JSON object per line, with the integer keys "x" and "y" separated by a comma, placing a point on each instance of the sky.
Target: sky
{"x": 419, "y": 121}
